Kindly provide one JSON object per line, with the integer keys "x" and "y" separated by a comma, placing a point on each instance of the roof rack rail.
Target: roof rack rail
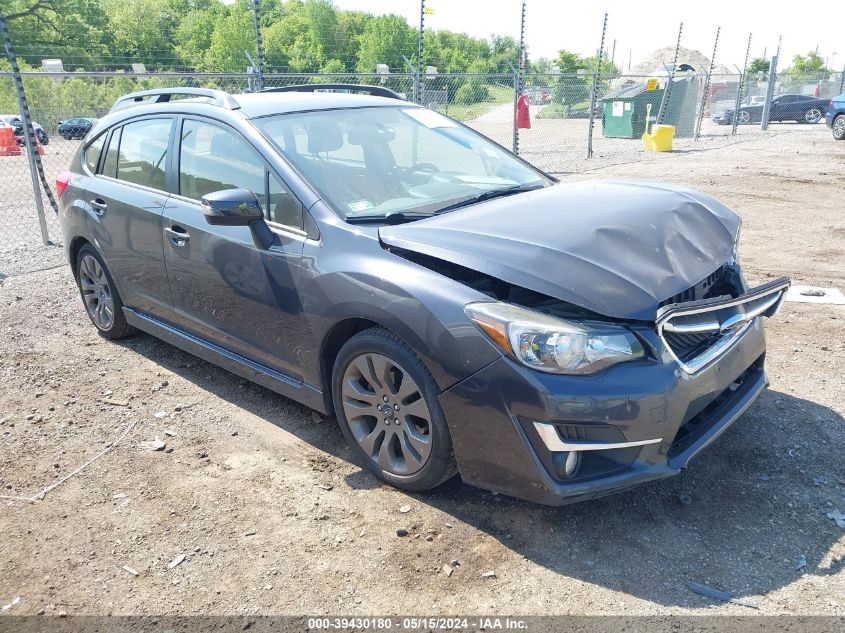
{"x": 376, "y": 91}
{"x": 163, "y": 95}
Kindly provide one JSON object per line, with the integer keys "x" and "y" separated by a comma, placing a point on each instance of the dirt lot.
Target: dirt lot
{"x": 273, "y": 518}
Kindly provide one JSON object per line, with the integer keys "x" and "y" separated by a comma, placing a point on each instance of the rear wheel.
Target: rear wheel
{"x": 813, "y": 115}
{"x": 100, "y": 296}
{"x": 839, "y": 127}
{"x": 743, "y": 117}
{"x": 386, "y": 404}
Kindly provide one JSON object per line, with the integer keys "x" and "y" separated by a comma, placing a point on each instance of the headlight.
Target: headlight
{"x": 549, "y": 344}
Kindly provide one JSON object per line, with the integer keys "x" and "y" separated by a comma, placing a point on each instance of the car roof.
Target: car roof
{"x": 259, "y": 104}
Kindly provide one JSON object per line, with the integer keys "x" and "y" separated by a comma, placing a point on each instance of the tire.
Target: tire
{"x": 812, "y": 116}
{"x": 66, "y": 137}
{"x": 43, "y": 138}
{"x": 376, "y": 371}
{"x": 838, "y": 126}
{"x": 99, "y": 295}
{"x": 744, "y": 117}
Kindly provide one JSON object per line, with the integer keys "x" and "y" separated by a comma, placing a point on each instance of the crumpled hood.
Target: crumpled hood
{"x": 617, "y": 248}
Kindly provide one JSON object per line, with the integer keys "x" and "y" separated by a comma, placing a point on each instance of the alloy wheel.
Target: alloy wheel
{"x": 813, "y": 116}
{"x": 743, "y": 118}
{"x": 387, "y": 414}
{"x": 96, "y": 292}
{"x": 839, "y": 127}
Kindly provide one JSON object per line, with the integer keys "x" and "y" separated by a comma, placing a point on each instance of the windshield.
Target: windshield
{"x": 403, "y": 162}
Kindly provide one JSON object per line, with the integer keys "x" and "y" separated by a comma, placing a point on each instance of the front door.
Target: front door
{"x": 226, "y": 289}
{"x": 127, "y": 199}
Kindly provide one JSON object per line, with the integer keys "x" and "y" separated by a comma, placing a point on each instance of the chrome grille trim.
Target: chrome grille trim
{"x": 728, "y": 318}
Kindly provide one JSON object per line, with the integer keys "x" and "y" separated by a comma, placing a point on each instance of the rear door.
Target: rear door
{"x": 226, "y": 289}
{"x": 127, "y": 198}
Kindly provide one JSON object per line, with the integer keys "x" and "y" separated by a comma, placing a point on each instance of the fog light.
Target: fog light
{"x": 566, "y": 463}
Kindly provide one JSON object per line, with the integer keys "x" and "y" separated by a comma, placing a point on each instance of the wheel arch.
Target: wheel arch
{"x": 334, "y": 340}
{"x": 75, "y": 246}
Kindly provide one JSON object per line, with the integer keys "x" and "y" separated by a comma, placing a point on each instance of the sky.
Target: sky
{"x": 637, "y": 28}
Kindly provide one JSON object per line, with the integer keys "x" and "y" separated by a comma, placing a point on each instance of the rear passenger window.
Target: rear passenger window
{"x": 212, "y": 159}
{"x": 92, "y": 153}
{"x": 143, "y": 152}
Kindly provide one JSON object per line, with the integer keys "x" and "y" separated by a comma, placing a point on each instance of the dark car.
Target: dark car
{"x": 75, "y": 128}
{"x": 454, "y": 308}
{"x": 15, "y": 122}
{"x": 799, "y": 108}
{"x": 835, "y": 117}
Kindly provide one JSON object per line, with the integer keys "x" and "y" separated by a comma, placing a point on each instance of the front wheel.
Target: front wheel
{"x": 743, "y": 117}
{"x": 387, "y": 407}
{"x": 100, "y": 296}
{"x": 839, "y": 127}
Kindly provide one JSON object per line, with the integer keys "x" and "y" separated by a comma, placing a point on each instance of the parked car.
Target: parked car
{"x": 799, "y": 108}
{"x": 835, "y": 117}
{"x": 455, "y": 308}
{"x": 16, "y": 124}
{"x": 76, "y": 128}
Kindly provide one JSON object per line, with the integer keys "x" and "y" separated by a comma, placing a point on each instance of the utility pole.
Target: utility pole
{"x": 258, "y": 49}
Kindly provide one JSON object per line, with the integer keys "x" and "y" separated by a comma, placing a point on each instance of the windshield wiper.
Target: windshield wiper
{"x": 489, "y": 195}
{"x": 395, "y": 217}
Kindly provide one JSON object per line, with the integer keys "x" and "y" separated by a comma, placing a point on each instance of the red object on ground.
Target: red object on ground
{"x": 8, "y": 145}
{"x": 818, "y": 91}
{"x": 523, "y": 120}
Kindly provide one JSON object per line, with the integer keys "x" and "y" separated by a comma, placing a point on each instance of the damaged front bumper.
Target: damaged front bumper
{"x": 558, "y": 439}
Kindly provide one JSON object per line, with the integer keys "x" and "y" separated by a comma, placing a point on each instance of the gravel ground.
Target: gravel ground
{"x": 255, "y": 506}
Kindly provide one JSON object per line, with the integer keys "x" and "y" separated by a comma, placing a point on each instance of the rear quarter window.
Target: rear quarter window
{"x": 92, "y": 153}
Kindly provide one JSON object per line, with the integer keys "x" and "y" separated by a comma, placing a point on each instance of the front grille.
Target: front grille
{"x": 698, "y": 332}
{"x": 688, "y": 346}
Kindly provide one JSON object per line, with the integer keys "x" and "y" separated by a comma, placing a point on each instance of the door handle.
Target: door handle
{"x": 99, "y": 205}
{"x": 178, "y": 235}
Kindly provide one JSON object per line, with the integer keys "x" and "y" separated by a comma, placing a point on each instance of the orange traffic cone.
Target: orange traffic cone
{"x": 8, "y": 146}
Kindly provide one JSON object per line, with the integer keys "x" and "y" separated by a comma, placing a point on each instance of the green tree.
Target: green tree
{"x": 808, "y": 67}
{"x": 142, "y": 31}
{"x": 234, "y": 33}
{"x": 385, "y": 39}
{"x": 758, "y": 65}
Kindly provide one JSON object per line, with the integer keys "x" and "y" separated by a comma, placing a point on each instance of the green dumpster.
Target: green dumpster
{"x": 624, "y": 111}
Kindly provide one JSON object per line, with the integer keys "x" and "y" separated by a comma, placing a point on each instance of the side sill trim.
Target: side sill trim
{"x": 551, "y": 439}
{"x": 230, "y": 361}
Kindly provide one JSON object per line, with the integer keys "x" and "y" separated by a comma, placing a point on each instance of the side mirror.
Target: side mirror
{"x": 238, "y": 207}
{"x": 231, "y": 207}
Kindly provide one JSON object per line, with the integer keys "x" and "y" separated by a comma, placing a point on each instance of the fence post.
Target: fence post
{"x": 742, "y": 79}
{"x": 706, "y": 86}
{"x": 515, "y": 143}
{"x": 842, "y": 81}
{"x": 258, "y": 49}
{"x": 418, "y": 74}
{"x": 667, "y": 93}
{"x": 594, "y": 91}
{"x": 770, "y": 91}
{"x": 29, "y": 135}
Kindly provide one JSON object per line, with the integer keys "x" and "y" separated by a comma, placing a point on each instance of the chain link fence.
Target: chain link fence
{"x": 558, "y": 106}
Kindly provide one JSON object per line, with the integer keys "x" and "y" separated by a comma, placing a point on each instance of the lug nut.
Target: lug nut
{"x": 378, "y": 406}
{"x": 396, "y": 420}
{"x": 386, "y": 421}
{"x": 384, "y": 398}
{"x": 396, "y": 407}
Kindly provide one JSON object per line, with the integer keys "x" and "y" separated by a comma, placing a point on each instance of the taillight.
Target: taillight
{"x": 62, "y": 182}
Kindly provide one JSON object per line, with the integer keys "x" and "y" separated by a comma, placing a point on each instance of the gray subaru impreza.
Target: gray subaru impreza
{"x": 456, "y": 309}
